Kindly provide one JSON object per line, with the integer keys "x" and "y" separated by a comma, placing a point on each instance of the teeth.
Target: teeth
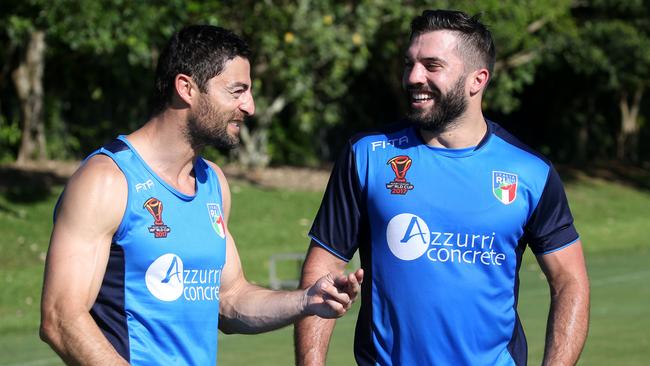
{"x": 419, "y": 97}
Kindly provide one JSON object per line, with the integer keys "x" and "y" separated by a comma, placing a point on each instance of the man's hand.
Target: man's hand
{"x": 331, "y": 297}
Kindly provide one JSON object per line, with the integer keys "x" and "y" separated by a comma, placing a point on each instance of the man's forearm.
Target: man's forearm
{"x": 312, "y": 334}
{"x": 311, "y": 337}
{"x": 246, "y": 308}
{"x": 568, "y": 324}
{"x": 79, "y": 341}
{"x": 261, "y": 310}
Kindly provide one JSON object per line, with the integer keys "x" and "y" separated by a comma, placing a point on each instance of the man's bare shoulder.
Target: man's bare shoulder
{"x": 218, "y": 171}
{"x": 99, "y": 169}
{"x": 99, "y": 182}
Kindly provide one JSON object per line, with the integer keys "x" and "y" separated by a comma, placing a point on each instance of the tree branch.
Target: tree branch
{"x": 525, "y": 56}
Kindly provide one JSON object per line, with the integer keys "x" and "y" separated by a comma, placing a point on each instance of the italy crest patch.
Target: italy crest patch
{"x": 216, "y": 219}
{"x": 504, "y": 186}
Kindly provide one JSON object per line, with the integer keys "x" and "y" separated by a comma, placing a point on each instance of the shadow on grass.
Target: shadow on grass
{"x": 20, "y": 185}
{"x": 611, "y": 171}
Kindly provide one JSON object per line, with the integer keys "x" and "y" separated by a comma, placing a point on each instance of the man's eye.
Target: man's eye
{"x": 432, "y": 67}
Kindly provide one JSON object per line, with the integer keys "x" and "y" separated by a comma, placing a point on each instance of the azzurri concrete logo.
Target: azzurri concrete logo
{"x": 167, "y": 279}
{"x": 409, "y": 237}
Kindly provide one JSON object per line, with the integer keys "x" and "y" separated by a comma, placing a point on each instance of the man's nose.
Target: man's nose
{"x": 414, "y": 75}
{"x": 248, "y": 105}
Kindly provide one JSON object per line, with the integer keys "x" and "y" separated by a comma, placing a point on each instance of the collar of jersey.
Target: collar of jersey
{"x": 456, "y": 153}
{"x": 169, "y": 187}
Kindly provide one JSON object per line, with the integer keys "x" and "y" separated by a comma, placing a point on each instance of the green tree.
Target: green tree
{"x": 320, "y": 67}
{"x": 26, "y": 43}
{"x": 524, "y": 31}
{"x": 305, "y": 53}
{"x": 76, "y": 26}
{"x": 309, "y": 54}
{"x": 611, "y": 46}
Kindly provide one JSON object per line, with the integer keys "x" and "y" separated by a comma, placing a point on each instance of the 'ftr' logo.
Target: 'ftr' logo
{"x": 504, "y": 186}
{"x": 400, "y": 165}
{"x": 155, "y": 208}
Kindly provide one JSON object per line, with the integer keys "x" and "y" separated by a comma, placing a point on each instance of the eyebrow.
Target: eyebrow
{"x": 238, "y": 84}
{"x": 428, "y": 59}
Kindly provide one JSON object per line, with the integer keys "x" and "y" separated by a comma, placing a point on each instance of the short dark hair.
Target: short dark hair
{"x": 477, "y": 46}
{"x": 199, "y": 51}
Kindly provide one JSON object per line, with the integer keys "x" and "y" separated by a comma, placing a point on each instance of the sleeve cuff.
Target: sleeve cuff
{"x": 328, "y": 248}
{"x": 560, "y": 248}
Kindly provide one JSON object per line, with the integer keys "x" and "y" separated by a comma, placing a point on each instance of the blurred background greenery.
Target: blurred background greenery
{"x": 570, "y": 80}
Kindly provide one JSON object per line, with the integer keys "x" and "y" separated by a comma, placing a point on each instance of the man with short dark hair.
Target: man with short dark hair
{"x": 441, "y": 206}
{"x": 141, "y": 267}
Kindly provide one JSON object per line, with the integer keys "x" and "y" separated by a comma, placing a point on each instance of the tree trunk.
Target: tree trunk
{"x": 254, "y": 152}
{"x": 627, "y": 142}
{"x": 582, "y": 142}
{"x": 6, "y": 67}
{"x": 28, "y": 79}
{"x": 582, "y": 136}
{"x": 254, "y": 147}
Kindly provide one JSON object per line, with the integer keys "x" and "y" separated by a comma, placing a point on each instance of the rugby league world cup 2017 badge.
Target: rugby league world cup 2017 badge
{"x": 504, "y": 186}
{"x": 400, "y": 165}
{"x": 155, "y": 208}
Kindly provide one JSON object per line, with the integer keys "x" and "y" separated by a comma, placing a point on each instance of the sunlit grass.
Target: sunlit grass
{"x": 612, "y": 220}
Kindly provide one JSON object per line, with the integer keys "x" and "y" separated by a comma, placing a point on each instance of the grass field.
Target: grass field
{"x": 611, "y": 218}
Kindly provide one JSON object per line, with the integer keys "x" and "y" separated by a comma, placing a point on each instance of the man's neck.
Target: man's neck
{"x": 161, "y": 142}
{"x": 466, "y": 131}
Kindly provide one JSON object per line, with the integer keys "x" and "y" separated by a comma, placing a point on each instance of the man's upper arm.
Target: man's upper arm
{"x": 88, "y": 215}
{"x": 318, "y": 262}
{"x": 550, "y": 227}
{"x": 565, "y": 265}
{"x": 340, "y": 224}
{"x": 232, "y": 273}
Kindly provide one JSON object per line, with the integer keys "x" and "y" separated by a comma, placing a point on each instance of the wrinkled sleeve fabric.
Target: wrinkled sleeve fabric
{"x": 338, "y": 223}
{"x": 550, "y": 227}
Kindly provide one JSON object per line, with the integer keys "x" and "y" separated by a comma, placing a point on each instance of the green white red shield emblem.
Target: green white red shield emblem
{"x": 504, "y": 186}
{"x": 216, "y": 218}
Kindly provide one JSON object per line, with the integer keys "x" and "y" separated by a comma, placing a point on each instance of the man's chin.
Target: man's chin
{"x": 425, "y": 122}
{"x": 226, "y": 144}
{"x": 419, "y": 119}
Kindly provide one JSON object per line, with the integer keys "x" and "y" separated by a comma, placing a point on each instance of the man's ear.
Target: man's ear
{"x": 185, "y": 88}
{"x": 479, "y": 80}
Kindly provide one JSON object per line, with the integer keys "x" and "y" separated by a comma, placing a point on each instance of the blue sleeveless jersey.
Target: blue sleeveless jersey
{"x": 159, "y": 300}
{"x": 441, "y": 233}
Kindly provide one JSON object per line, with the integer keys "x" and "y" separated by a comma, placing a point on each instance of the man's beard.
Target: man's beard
{"x": 209, "y": 127}
{"x": 445, "y": 110}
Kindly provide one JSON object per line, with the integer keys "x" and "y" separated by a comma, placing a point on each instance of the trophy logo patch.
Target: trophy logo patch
{"x": 155, "y": 208}
{"x": 400, "y": 165}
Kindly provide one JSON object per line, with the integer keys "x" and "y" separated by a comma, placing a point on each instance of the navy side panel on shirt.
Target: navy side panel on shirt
{"x": 108, "y": 310}
{"x": 441, "y": 234}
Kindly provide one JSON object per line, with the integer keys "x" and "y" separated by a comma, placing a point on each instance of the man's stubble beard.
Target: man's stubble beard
{"x": 445, "y": 110}
{"x": 209, "y": 127}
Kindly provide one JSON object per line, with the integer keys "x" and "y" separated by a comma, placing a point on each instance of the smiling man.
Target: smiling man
{"x": 441, "y": 207}
{"x": 141, "y": 268}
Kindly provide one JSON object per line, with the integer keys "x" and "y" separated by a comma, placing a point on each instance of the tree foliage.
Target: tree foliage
{"x": 324, "y": 69}
{"x": 609, "y": 46}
